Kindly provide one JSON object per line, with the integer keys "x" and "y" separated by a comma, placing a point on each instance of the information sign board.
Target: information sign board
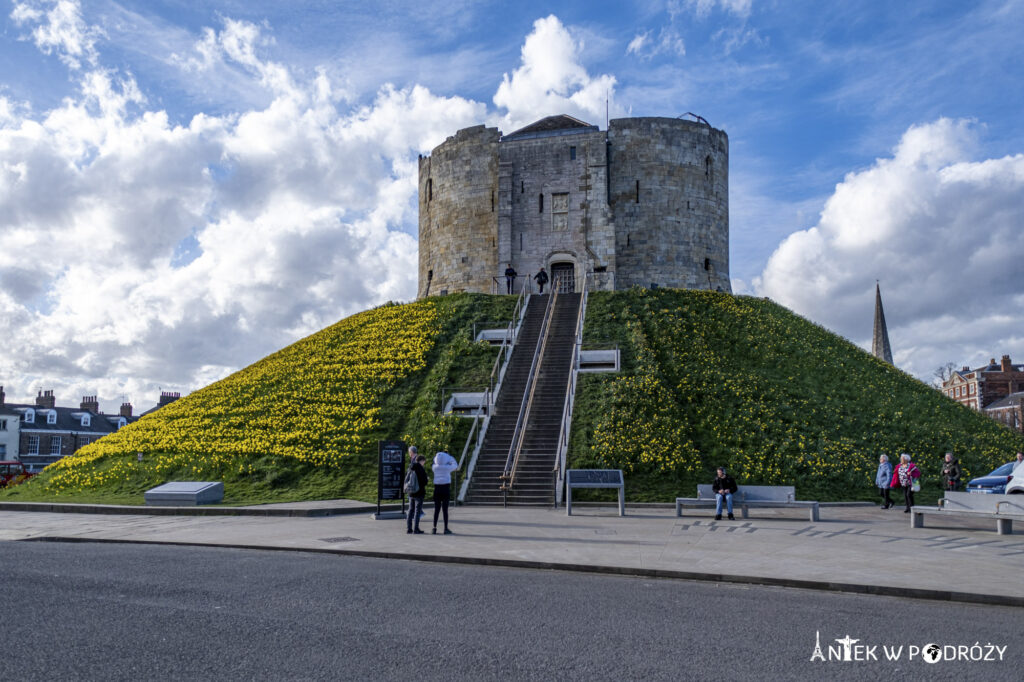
{"x": 390, "y": 471}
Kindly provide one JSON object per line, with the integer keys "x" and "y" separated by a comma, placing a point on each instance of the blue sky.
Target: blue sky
{"x": 185, "y": 187}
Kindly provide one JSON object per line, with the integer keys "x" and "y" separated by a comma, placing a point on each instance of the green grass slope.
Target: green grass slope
{"x": 302, "y": 423}
{"x": 711, "y": 379}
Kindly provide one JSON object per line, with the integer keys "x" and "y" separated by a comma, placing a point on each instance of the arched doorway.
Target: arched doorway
{"x": 563, "y": 277}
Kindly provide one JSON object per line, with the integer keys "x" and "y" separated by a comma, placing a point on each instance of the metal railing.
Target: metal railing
{"x": 508, "y": 477}
{"x": 570, "y": 398}
{"x": 490, "y": 394}
{"x": 499, "y": 285}
{"x": 477, "y": 418}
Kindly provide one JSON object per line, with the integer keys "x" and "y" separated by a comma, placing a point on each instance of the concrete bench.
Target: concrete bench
{"x": 1005, "y": 509}
{"x": 746, "y": 496}
{"x": 185, "y": 493}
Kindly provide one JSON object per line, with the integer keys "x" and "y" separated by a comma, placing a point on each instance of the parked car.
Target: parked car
{"x": 12, "y": 473}
{"x": 995, "y": 482}
{"x": 1016, "y": 484}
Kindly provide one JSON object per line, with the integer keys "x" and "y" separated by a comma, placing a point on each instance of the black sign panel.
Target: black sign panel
{"x": 390, "y": 469}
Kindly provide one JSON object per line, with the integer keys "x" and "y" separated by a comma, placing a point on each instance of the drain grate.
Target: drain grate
{"x": 341, "y": 539}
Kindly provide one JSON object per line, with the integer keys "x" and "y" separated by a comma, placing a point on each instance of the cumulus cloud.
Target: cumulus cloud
{"x": 940, "y": 230}
{"x": 552, "y": 79}
{"x": 140, "y": 253}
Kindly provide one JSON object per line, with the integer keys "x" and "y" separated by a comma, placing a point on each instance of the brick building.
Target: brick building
{"x": 1009, "y": 411}
{"x": 978, "y": 388}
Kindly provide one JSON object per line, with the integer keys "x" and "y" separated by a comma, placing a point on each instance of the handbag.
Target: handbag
{"x": 915, "y": 487}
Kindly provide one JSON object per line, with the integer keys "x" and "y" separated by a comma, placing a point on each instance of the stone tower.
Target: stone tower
{"x": 880, "y": 340}
{"x": 644, "y": 203}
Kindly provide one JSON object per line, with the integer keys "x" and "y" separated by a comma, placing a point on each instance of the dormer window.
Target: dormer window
{"x": 86, "y": 420}
{"x": 29, "y": 416}
{"x": 121, "y": 422}
{"x": 51, "y": 417}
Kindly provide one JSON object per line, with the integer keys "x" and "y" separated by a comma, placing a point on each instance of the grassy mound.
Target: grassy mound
{"x": 304, "y": 422}
{"x": 711, "y": 379}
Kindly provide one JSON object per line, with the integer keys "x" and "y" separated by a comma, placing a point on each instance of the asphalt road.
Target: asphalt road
{"x": 136, "y": 612}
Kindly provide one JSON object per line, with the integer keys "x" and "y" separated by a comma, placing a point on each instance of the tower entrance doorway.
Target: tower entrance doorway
{"x": 563, "y": 277}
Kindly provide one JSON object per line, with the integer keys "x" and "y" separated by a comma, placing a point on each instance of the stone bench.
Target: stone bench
{"x": 1005, "y": 509}
{"x": 185, "y": 493}
{"x": 746, "y": 496}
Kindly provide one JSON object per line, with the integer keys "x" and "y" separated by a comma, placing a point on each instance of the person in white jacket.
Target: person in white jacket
{"x": 444, "y": 465}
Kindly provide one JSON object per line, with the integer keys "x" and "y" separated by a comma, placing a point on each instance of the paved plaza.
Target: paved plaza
{"x": 852, "y": 548}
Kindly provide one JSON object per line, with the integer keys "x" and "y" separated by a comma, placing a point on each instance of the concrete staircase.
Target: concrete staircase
{"x": 534, "y": 481}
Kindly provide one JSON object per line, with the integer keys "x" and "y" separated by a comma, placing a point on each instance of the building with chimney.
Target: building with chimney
{"x": 44, "y": 432}
{"x": 880, "y": 347}
{"x": 1008, "y": 410}
{"x": 981, "y": 387}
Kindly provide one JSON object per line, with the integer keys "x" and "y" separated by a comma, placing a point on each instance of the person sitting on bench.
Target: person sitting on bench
{"x": 724, "y": 487}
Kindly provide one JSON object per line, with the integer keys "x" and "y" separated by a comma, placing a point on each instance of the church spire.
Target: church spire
{"x": 880, "y": 340}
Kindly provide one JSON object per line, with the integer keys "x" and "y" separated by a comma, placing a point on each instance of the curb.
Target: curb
{"x": 698, "y": 576}
{"x": 118, "y": 509}
{"x": 69, "y": 508}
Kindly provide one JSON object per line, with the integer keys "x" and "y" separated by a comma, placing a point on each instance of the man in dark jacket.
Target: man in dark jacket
{"x": 416, "y": 498}
{"x": 724, "y": 488}
{"x": 542, "y": 279}
{"x": 510, "y": 278}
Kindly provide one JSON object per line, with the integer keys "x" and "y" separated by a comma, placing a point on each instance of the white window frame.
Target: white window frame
{"x": 51, "y": 417}
{"x": 33, "y": 445}
{"x": 86, "y": 420}
{"x": 56, "y": 443}
{"x": 121, "y": 422}
{"x": 30, "y": 416}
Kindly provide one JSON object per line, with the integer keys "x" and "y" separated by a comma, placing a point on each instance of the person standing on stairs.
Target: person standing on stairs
{"x": 444, "y": 465}
{"x": 542, "y": 279}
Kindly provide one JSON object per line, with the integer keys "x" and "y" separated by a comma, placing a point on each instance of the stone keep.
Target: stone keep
{"x": 645, "y": 203}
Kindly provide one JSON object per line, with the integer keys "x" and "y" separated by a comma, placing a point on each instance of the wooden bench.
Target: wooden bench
{"x": 1005, "y": 509}
{"x": 747, "y": 496}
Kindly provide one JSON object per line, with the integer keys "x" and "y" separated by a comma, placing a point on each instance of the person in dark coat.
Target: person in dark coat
{"x": 951, "y": 472}
{"x": 416, "y": 498}
{"x": 542, "y": 279}
{"x": 724, "y": 488}
{"x": 510, "y": 278}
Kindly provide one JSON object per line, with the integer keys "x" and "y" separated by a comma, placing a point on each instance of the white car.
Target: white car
{"x": 1016, "y": 483}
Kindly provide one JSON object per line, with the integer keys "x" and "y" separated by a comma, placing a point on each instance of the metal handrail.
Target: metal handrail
{"x": 574, "y": 365}
{"x": 509, "y": 341}
{"x": 469, "y": 440}
{"x": 494, "y": 384}
{"x": 524, "y": 409}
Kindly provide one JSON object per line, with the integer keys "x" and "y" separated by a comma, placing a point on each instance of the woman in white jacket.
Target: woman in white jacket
{"x": 444, "y": 465}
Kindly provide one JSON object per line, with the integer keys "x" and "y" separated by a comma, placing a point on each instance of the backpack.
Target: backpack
{"x": 412, "y": 482}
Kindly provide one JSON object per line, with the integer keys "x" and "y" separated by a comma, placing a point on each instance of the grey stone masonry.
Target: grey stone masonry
{"x": 644, "y": 203}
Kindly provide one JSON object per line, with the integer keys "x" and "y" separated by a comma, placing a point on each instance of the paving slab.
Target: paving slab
{"x": 861, "y": 548}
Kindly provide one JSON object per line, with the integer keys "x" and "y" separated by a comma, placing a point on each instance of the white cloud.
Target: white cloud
{"x": 141, "y": 254}
{"x": 59, "y": 28}
{"x": 740, "y": 8}
{"x": 551, "y": 80}
{"x": 943, "y": 234}
{"x": 667, "y": 41}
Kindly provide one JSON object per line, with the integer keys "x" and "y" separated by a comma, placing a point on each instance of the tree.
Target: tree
{"x": 943, "y": 373}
